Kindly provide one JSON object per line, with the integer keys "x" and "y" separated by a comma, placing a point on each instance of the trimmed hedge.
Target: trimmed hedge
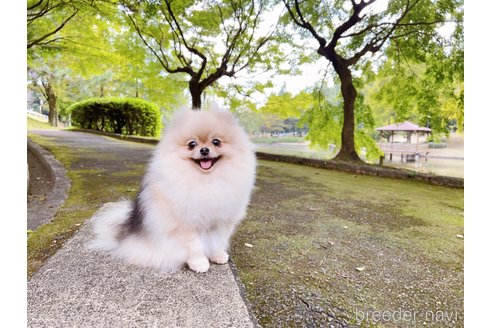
{"x": 127, "y": 116}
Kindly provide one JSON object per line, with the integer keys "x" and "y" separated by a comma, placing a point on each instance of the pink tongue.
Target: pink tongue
{"x": 206, "y": 164}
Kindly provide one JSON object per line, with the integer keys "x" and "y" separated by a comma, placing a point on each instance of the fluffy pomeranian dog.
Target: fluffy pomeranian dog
{"x": 195, "y": 191}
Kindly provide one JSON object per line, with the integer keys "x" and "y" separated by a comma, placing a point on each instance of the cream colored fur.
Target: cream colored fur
{"x": 189, "y": 213}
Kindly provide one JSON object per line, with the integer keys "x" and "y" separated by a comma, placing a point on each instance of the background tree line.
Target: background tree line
{"x": 385, "y": 62}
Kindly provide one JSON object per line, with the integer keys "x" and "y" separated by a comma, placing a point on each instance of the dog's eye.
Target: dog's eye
{"x": 216, "y": 142}
{"x": 191, "y": 145}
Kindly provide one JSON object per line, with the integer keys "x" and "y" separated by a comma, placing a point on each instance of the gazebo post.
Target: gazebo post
{"x": 392, "y": 139}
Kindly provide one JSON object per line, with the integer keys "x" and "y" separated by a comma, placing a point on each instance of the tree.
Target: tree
{"x": 48, "y": 35}
{"x": 286, "y": 105}
{"x": 41, "y": 15}
{"x": 205, "y": 40}
{"x": 321, "y": 109}
{"x": 425, "y": 85}
{"x": 139, "y": 73}
{"x": 47, "y": 71}
{"x": 414, "y": 92}
{"x": 46, "y": 18}
{"x": 356, "y": 31}
{"x": 95, "y": 55}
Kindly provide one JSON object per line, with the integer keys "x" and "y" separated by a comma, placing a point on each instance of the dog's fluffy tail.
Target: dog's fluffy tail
{"x": 107, "y": 223}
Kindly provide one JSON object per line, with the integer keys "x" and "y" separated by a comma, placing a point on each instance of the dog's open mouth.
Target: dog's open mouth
{"x": 206, "y": 163}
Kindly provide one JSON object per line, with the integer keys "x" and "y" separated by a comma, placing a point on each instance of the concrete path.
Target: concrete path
{"x": 82, "y": 288}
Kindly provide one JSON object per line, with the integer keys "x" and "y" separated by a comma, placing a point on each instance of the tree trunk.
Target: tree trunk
{"x": 347, "y": 151}
{"x": 196, "y": 95}
{"x": 349, "y": 93}
{"x": 136, "y": 87}
{"x": 51, "y": 98}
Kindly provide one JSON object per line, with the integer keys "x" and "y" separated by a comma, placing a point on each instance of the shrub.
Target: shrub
{"x": 128, "y": 116}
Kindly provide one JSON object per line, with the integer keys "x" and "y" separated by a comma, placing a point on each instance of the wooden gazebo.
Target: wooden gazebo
{"x": 407, "y": 139}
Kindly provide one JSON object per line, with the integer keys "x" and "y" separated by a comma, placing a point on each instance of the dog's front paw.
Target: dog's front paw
{"x": 198, "y": 264}
{"x": 220, "y": 257}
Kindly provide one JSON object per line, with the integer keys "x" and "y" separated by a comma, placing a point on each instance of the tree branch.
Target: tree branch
{"x": 375, "y": 44}
{"x": 348, "y": 24}
{"x": 240, "y": 31}
{"x": 50, "y": 41}
{"x": 35, "y": 5}
{"x": 162, "y": 60}
{"x": 32, "y": 16}
{"x": 406, "y": 62}
{"x": 183, "y": 40}
{"x": 303, "y": 23}
{"x": 366, "y": 29}
{"x": 32, "y": 43}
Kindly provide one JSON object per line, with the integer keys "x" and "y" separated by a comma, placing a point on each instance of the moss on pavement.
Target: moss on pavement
{"x": 96, "y": 177}
{"x": 332, "y": 248}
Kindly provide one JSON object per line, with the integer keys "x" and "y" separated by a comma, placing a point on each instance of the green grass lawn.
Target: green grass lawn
{"x": 327, "y": 244}
{"x": 33, "y": 124}
{"x": 270, "y": 140}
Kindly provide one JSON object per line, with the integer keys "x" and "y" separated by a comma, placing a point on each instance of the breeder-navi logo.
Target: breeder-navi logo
{"x": 407, "y": 316}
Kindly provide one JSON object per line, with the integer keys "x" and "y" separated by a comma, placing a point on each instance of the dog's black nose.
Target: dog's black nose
{"x": 204, "y": 151}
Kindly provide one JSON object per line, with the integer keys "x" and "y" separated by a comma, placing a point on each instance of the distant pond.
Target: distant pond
{"x": 452, "y": 167}
{"x": 447, "y": 166}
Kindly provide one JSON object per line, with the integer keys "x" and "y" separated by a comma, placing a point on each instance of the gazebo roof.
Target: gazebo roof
{"x": 405, "y": 126}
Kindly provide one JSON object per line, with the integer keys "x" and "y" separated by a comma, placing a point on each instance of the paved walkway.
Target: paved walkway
{"x": 81, "y": 288}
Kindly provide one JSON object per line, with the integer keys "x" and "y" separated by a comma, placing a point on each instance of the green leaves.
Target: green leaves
{"x": 428, "y": 93}
{"x": 325, "y": 121}
{"x": 127, "y": 116}
{"x": 135, "y": 48}
{"x": 98, "y": 54}
{"x": 203, "y": 41}
{"x": 285, "y": 105}
{"x": 409, "y": 33}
